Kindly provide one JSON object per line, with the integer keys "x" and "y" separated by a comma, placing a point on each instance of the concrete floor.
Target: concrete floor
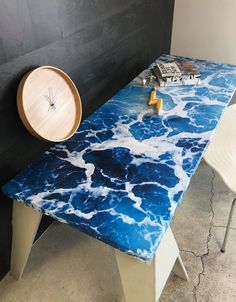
{"x": 67, "y": 266}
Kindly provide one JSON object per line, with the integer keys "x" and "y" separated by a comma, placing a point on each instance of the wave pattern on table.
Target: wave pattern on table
{"x": 121, "y": 177}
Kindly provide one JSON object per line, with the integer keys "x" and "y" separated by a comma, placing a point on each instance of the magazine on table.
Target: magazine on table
{"x": 189, "y": 74}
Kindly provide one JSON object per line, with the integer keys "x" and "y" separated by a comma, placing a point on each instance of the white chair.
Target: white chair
{"x": 221, "y": 156}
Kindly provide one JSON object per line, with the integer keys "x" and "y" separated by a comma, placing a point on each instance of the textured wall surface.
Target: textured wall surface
{"x": 101, "y": 44}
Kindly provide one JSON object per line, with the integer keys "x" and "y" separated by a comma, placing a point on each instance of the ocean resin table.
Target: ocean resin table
{"x": 121, "y": 177}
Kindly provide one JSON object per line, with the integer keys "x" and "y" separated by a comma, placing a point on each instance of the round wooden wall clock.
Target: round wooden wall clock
{"x": 49, "y": 104}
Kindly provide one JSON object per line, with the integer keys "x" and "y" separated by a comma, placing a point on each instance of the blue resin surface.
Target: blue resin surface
{"x": 121, "y": 177}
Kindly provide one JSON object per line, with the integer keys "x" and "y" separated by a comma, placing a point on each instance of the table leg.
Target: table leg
{"x": 25, "y": 222}
{"x": 145, "y": 282}
{"x": 179, "y": 269}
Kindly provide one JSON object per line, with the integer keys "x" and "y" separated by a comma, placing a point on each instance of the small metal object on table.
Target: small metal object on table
{"x": 122, "y": 175}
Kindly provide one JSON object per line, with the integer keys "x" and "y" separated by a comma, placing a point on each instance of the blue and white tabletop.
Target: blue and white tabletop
{"x": 121, "y": 177}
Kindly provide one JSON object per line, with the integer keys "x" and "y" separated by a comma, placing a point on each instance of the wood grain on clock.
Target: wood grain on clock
{"x": 49, "y": 104}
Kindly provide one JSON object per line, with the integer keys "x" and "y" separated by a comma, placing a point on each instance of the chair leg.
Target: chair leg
{"x": 228, "y": 225}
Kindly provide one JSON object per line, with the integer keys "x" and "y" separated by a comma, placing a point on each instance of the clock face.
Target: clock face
{"x": 49, "y": 104}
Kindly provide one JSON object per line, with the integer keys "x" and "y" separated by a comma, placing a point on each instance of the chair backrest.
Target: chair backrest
{"x": 225, "y": 134}
{"x": 221, "y": 152}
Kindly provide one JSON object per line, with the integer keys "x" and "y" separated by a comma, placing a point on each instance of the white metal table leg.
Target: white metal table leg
{"x": 179, "y": 269}
{"x": 145, "y": 282}
{"x": 25, "y": 222}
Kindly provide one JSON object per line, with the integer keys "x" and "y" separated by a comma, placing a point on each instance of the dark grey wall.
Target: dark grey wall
{"x": 101, "y": 44}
